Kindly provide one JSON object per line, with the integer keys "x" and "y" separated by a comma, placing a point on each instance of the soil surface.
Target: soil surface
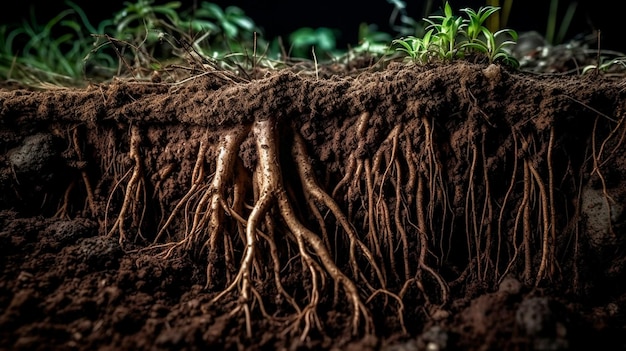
{"x": 457, "y": 206}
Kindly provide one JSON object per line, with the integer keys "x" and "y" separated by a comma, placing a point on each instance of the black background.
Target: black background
{"x": 281, "y": 17}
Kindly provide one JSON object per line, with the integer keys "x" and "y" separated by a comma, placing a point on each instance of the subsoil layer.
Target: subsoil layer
{"x": 457, "y": 206}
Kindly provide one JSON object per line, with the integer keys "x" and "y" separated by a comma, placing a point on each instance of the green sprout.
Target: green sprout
{"x": 449, "y": 37}
{"x": 419, "y": 50}
{"x": 482, "y": 40}
{"x": 446, "y": 31}
{"x": 494, "y": 49}
{"x": 605, "y": 65}
{"x": 474, "y": 26}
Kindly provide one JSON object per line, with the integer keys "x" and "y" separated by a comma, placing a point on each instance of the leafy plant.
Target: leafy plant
{"x": 449, "y": 37}
{"x": 417, "y": 49}
{"x": 323, "y": 40}
{"x": 210, "y": 32}
{"x": 494, "y": 49}
{"x": 446, "y": 31}
{"x": 482, "y": 40}
{"x": 474, "y": 25}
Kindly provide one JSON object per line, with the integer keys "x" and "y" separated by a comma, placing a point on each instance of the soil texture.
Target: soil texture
{"x": 458, "y": 206}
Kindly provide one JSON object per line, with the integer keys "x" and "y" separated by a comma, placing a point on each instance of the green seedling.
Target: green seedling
{"x": 606, "y": 65}
{"x": 494, "y": 49}
{"x": 482, "y": 40}
{"x": 475, "y": 23}
{"x": 446, "y": 31}
{"x": 450, "y": 37}
{"x": 419, "y": 50}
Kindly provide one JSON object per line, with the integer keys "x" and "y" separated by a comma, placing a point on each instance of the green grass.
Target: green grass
{"x": 144, "y": 36}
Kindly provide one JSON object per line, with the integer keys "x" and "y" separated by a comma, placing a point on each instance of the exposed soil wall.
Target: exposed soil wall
{"x": 452, "y": 205}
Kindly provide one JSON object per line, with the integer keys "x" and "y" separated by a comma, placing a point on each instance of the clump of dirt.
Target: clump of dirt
{"x": 412, "y": 207}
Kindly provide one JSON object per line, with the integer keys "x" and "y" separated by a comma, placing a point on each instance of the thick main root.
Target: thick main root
{"x": 217, "y": 218}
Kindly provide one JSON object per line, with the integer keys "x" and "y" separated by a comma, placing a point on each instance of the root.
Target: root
{"x": 134, "y": 190}
{"x": 80, "y": 164}
{"x": 312, "y": 188}
{"x": 197, "y": 177}
{"x": 394, "y": 212}
{"x": 273, "y": 194}
{"x": 83, "y": 172}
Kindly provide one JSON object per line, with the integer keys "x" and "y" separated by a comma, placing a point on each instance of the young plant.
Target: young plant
{"x": 451, "y": 37}
{"x": 606, "y": 65}
{"x": 474, "y": 24}
{"x": 494, "y": 49}
{"x": 446, "y": 30}
{"x": 417, "y": 49}
{"x": 481, "y": 39}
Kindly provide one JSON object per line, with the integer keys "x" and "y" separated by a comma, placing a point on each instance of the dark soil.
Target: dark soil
{"x": 484, "y": 211}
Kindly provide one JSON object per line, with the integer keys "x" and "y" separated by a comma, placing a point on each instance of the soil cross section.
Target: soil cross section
{"x": 346, "y": 204}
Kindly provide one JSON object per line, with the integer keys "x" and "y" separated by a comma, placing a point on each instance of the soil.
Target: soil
{"x": 455, "y": 206}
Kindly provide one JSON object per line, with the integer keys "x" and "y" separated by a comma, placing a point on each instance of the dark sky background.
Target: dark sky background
{"x": 281, "y": 17}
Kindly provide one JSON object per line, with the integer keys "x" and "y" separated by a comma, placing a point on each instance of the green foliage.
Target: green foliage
{"x": 498, "y": 21}
{"x": 322, "y": 40}
{"x": 495, "y": 49}
{"x": 474, "y": 25}
{"x": 145, "y": 36}
{"x": 482, "y": 40}
{"x": 449, "y": 37}
{"x": 606, "y": 65}
{"x": 44, "y": 56}
{"x": 419, "y": 50}
{"x": 447, "y": 29}
{"x": 212, "y": 32}
{"x": 65, "y": 49}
